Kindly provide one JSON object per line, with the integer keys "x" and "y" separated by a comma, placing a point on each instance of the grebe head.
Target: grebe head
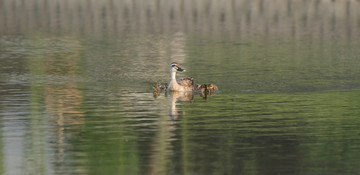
{"x": 174, "y": 67}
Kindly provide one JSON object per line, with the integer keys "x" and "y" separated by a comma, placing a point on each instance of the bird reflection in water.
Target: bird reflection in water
{"x": 204, "y": 90}
{"x": 174, "y": 97}
{"x": 182, "y": 96}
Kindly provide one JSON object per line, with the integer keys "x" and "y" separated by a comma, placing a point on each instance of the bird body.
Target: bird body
{"x": 184, "y": 84}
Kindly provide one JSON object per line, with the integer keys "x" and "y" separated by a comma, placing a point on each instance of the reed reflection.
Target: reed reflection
{"x": 166, "y": 142}
{"x": 175, "y": 111}
{"x": 54, "y": 65}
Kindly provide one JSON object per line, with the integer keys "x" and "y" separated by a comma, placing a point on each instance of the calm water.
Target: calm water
{"x": 76, "y": 87}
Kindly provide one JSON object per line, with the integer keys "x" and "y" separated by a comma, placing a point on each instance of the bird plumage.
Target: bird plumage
{"x": 188, "y": 82}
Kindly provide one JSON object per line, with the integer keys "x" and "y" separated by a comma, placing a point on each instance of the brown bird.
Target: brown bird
{"x": 185, "y": 84}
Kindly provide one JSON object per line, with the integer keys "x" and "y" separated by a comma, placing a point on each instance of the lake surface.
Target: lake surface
{"x": 76, "y": 84}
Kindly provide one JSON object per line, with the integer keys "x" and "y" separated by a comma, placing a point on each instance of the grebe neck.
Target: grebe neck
{"x": 173, "y": 76}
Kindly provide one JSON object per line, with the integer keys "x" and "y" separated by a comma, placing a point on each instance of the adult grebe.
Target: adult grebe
{"x": 186, "y": 84}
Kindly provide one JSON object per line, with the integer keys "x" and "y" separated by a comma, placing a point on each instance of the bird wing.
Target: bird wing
{"x": 187, "y": 82}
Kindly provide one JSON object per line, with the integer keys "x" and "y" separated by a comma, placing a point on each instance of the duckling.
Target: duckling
{"x": 203, "y": 88}
{"x": 207, "y": 89}
{"x": 211, "y": 87}
{"x": 158, "y": 87}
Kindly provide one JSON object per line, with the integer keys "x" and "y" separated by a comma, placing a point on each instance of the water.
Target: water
{"x": 76, "y": 87}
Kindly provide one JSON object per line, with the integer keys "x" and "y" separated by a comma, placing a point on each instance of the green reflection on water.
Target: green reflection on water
{"x": 265, "y": 132}
{"x": 284, "y": 106}
{"x": 83, "y": 119}
{"x": 228, "y": 133}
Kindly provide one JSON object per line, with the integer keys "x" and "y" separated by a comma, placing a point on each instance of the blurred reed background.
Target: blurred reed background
{"x": 232, "y": 18}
